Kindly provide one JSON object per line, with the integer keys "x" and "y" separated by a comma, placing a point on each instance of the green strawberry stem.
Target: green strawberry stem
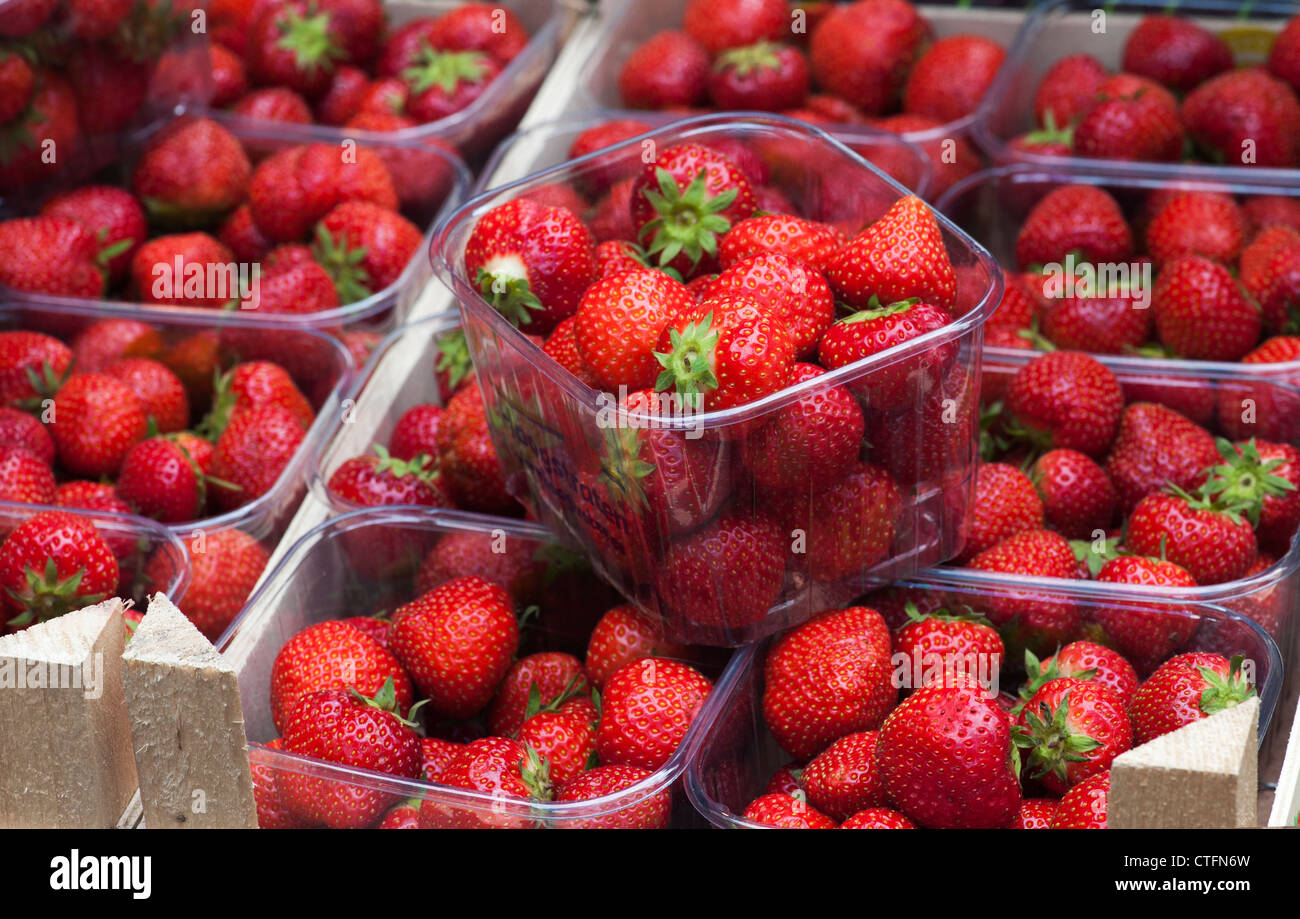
{"x": 420, "y": 465}
{"x": 745, "y": 60}
{"x": 1086, "y": 551}
{"x": 536, "y": 772}
{"x": 385, "y": 699}
{"x": 875, "y": 311}
{"x": 1222, "y": 693}
{"x": 453, "y": 358}
{"x": 1051, "y": 132}
{"x": 535, "y": 706}
{"x": 444, "y": 69}
{"x": 1051, "y": 744}
{"x": 689, "y": 221}
{"x": 343, "y": 265}
{"x": 48, "y": 597}
{"x": 688, "y": 365}
{"x": 943, "y": 615}
{"x": 1244, "y": 480}
{"x": 309, "y": 38}
{"x": 509, "y": 296}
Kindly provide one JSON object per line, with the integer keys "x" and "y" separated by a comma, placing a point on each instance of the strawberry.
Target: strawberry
{"x": 229, "y": 78}
{"x": 531, "y": 262}
{"x": 19, "y": 429}
{"x": 467, "y": 458}
{"x": 1071, "y": 729}
{"x": 1034, "y": 814}
{"x": 499, "y": 767}
{"x": 161, "y": 394}
{"x": 1270, "y": 272}
{"x": 223, "y": 578}
{"x": 562, "y": 346}
{"x": 947, "y": 759}
{"x": 683, "y": 201}
{"x": 479, "y": 553}
{"x": 416, "y": 432}
{"x": 879, "y": 328}
{"x": 257, "y": 384}
{"x": 272, "y": 814}
{"x": 51, "y": 255}
{"x": 97, "y": 420}
{"x": 1006, "y": 503}
{"x": 799, "y": 295}
{"x": 1083, "y": 219}
{"x": 96, "y": 19}
{"x": 1040, "y": 620}
{"x": 295, "y": 187}
{"x": 442, "y": 83}
{"x": 274, "y": 103}
{"x": 1138, "y": 125}
{"x": 809, "y": 443}
{"x": 877, "y": 818}
{"x": 786, "y": 780}
{"x": 1078, "y": 498}
{"x": 241, "y": 236}
{"x": 1175, "y": 52}
{"x": 159, "y": 479}
{"x": 1202, "y": 313}
{"x": 624, "y": 634}
{"x": 1088, "y": 661}
{"x": 111, "y": 87}
{"x": 649, "y": 813}
{"x": 332, "y": 655}
{"x": 54, "y": 562}
{"x": 598, "y": 177}
{"x": 17, "y": 81}
{"x": 898, "y": 257}
{"x": 1263, "y": 211}
{"x": 480, "y": 27}
{"x": 667, "y": 70}
{"x": 25, "y": 477}
{"x": 647, "y": 707}
{"x": 619, "y": 320}
{"x": 378, "y": 479}
{"x": 358, "y": 732}
{"x": 787, "y": 812}
{"x": 939, "y": 645}
{"x": 437, "y": 756}
{"x": 404, "y": 816}
{"x": 722, "y": 24}
{"x": 566, "y": 742}
{"x": 457, "y": 641}
{"x": 1101, "y": 325}
{"x": 1068, "y": 90}
{"x": 1210, "y": 540}
{"x": 252, "y": 452}
{"x": 727, "y": 574}
{"x": 1279, "y": 517}
{"x": 294, "y": 44}
{"x": 1185, "y": 689}
{"x": 113, "y": 215}
{"x": 1083, "y": 807}
{"x": 952, "y": 77}
{"x": 1156, "y": 445}
{"x": 174, "y": 270}
{"x": 344, "y": 97}
{"x": 1145, "y": 633}
{"x": 807, "y": 241}
{"x": 863, "y": 51}
{"x": 165, "y": 181}
{"x": 96, "y": 496}
{"x": 27, "y": 358}
{"x": 1197, "y": 223}
{"x": 1069, "y": 400}
{"x": 26, "y": 16}
{"x": 364, "y": 247}
{"x": 554, "y": 676}
{"x": 51, "y": 118}
{"x": 611, "y": 218}
{"x": 760, "y": 77}
{"x": 1245, "y": 117}
{"x": 827, "y": 678}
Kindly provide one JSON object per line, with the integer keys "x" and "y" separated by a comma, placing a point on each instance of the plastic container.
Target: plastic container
{"x": 136, "y": 542}
{"x": 431, "y": 181}
{"x": 628, "y": 23}
{"x": 123, "y": 77}
{"x": 733, "y": 767}
{"x": 992, "y": 205}
{"x": 475, "y": 129}
{"x": 1059, "y": 28}
{"x": 544, "y": 145}
{"x": 319, "y": 365}
{"x": 553, "y": 432}
{"x": 316, "y": 581}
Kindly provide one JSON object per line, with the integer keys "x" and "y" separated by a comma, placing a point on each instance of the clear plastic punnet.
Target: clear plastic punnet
{"x": 580, "y": 466}
{"x": 319, "y": 579}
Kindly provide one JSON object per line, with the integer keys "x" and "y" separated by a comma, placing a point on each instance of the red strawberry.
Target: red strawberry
{"x": 252, "y": 452}
{"x": 1006, "y": 503}
{"x": 553, "y": 674}
{"x": 623, "y": 635}
{"x": 1068, "y": 90}
{"x": 241, "y": 236}
{"x": 1101, "y": 325}
{"x": 863, "y": 51}
{"x": 667, "y": 70}
{"x": 1078, "y": 498}
{"x": 25, "y": 356}
{"x": 17, "y": 81}
{"x": 113, "y": 215}
{"x": 159, "y": 479}
{"x": 531, "y": 262}
{"x": 1271, "y": 210}
{"x": 1067, "y": 399}
{"x": 1137, "y": 124}
{"x": 257, "y": 384}
{"x": 786, "y": 780}
{"x": 1156, "y": 445}
{"x": 51, "y": 118}
{"x": 52, "y": 563}
{"x": 1043, "y": 621}
{"x": 175, "y": 269}
{"x": 1186, "y": 689}
{"x": 229, "y": 79}
{"x": 1208, "y": 539}
{"x": 761, "y": 77}
{"x": 1145, "y": 633}
{"x": 50, "y": 255}
{"x": 342, "y": 726}
{"x": 295, "y": 44}
{"x": 562, "y": 346}
{"x": 95, "y": 496}
{"x": 437, "y": 756}
{"x": 1175, "y": 52}
{"x": 25, "y": 477}
{"x": 1284, "y": 58}
{"x": 332, "y": 655}
{"x": 467, "y": 458}
{"x": 797, "y": 294}
{"x": 1071, "y": 730}
{"x": 1035, "y": 814}
{"x": 25, "y": 16}
{"x": 1279, "y": 517}
{"x": 879, "y": 328}
{"x": 443, "y": 83}
{"x": 294, "y": 188}
{"x": 161, "y": 394}
{"x": 272, "y": 814}
{"x": 416, "y": 432}
{"x": 365, "y": 248}
{"x": 827, "y": 678}
{"x": 787, "y": 812}
{"x": 96, "y": 420}
{"x": 1088, "y": 661}
{"x": 343, "y": 99}
{"x": 478, "y": 552}
{"x": 900, "y": 256}
{"x": 1074, "y": 218}
{"x": 1197, "y": 223}
{"x": 807, "y": 241}
{"x": 274, "y": 103}
{"x": 946, "y": 758}
{"x": 599, "y": 177}
{"x": 457, "y": 641}
{"x": 111, "y": 86}
{"x": 619, "y": 320}
{"x": 940, "y": 645}
{"x": 952, "y": 77}
{"x": 877, "y": 818}
{"x": 1084, "y": 806}
{"x": 721, "y": 24}
{"x": 378, "y": 479}
{"x": 165, "y": 181}
{"x": 224, "y": 575}
{"x": 565, "y": 741}
{"x": 19, "y": 429}
{"x": 647, "y": 707}
{"x": 649, "y": 813}
{"x": 500, "y": 767}
{"x": 1245, "y": 117}
{"x": 1201, "y": 312}
{"x": 1270, "y": 273}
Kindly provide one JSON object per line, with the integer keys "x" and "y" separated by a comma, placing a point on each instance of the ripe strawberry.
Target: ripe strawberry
{"x": 457, "y": 641}
{"x": 1071, "y": 730}
{"x": 601, "y": 175}
{"x": 807, "y": 241}
{"x": 1197, "y": 223}
{"x": 623, "y": 635}
{"x": 378, "y": 480}
{"x": 480, "y": 553}
{"x": 468, "y": 459}
{"x": 256, "y": 384}
{"x": 1069, "y": 400}
{"x": 342, "y": 726}
{"x": 1270, "y": 272}
{"x": 828, "y": 678}
{"x": 1201, "y": 312}
{"x": 787, "y": 812}
{"x": 940, "y": 645}
{"x": 1068, "y": 90}
{"x": 161, "y": 394}
{"x": 1263, "y": 211}
{"x": 1156, "y": 445}
{"x": 1145, "y": 633}
{"x": 878, "y": 329}
{"x": 900, "y": 256}
{"x": 96, "y": 420}
{"x": 295, "y": 187}
{"x": 344, "y": 97}
{"x": 1078, "y": 498}
{"x": 1209, "y": 539}
{"x": 1186, "y": 689}
{"x": 1083, "y": 807}
{"x": 1101, "y": 325}
{"x": 272, "y": 814}
{"x": 54, "y": 562}
{"x": 531, "y": 262}
{"x": 241, "y": 236}
{"x": 619, "y": 320}
{"x": 647, "y": 707}
{"x": 25, "y": 477}
{"x": 862, "y": 52}
{"x": 19, "y": 429}
{"x": 17, "y": 80}
{"x": 1135, "y": 125}
{"x": 759, "y": 77}
{"x": 721, "y": 24}
{"x": 1006, "y": 503}
{"x": 437, "y": 756}
{"x": 786, "y": 780}
{"x": 1083, "y": 219}
{"x": 788, "y": 289}
{"x": 1088, "y": 661}
{"x": 365, "y": 248}
{"x": 562, "y": 346}
{"x": 111, "y": 86}
{"x": 1279, "y": 516}
{"x": 480, "y": 27}
{"x": 51, "y": 255}
{"x": 229, "y": 78}
{"x": 947, "y": 759}
{"x": 113, "y": 215}
{"x": 296, "y": 45}
{"x": 252, "y": 452}
{"x": 554, "y": 675}
{"x": 51, "y": 118}
{"x": 1035, "y": 814}
{"x": 877, "y": 818}
{"x": 416, "y": 432}
{"x": 175, "y": 269}
{"x": 442, "y": 83}
{"x": 500, "y": 767}
{"x": 565, "y": 741}
{"x": 159, "y": 479}
{"x": 174, "y": 193}
{"x": 952, "y": 77}
{"x": 1040, "y": 620}
{"x": 27, "y": 357}
{"x": 670, "y": 69}
{"x": 274, "y": 103}
{"x": 1245, "y": 117}
{"x": 23, "y": 18}
{"x": 727, "y": 575}
{"x": 649, "y": 813}
{"x": 224, "y": 575}
{"x": 1175, "y": 52}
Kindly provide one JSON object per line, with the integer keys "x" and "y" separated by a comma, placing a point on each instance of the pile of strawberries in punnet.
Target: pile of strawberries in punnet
{"x": 1189, "y": 273}
{"x": 341, "y": 62}
{"x": 1178, "y": 96}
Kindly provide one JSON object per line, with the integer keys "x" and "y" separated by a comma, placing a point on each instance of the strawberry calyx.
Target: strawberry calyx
{"x": 453, "y": 358}
{"x": 689, "y": 222}
{"x": 1093, "y": 555}
{"x": 535, "y": 770}
{"x": 1037, "y": 676}
{"x": 309, "y": 39}
{"x": 47, "y": 596}
{"x": 1052, "y": 746}
{"x": 343, "y": 264}
{"x": 875, "y": 311}
{"x": 745, "y": 60}
{"x": 943, "y": 615}
{"x": 623, "y": 468}
{"x": 508, "y": 293}
{"x": 556, "y": 561}
{"x": 535, "y": 706}
{"x": 1051, "y": 132}
{"x": 45, "y": 384}
{"x": 444, "y": 69}
{"x": 1225, "y": 692}
{"x": 688, "y": 365}
{"x": 420, "y": 466}
{"x": 1244, "y": 479}
{"x": 385, "y": 700}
